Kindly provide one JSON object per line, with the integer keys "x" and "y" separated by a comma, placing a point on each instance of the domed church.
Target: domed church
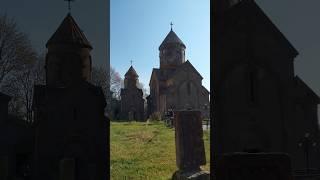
{"x": 176, "y": 85}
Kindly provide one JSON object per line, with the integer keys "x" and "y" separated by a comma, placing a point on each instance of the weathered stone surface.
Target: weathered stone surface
{"x": 190, "y": 153}
{"x": 254, "y": 166}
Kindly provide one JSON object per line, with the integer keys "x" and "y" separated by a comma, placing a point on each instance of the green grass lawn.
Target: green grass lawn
{"x": 145, "y": 151}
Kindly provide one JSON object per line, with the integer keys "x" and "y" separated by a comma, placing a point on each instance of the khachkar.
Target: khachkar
{"x": 190, "y": 153}
{"x": 71, "y": 129}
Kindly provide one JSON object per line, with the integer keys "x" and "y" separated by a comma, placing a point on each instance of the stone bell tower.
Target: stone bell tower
{"x": 131, "y": 78}
{"x": 132, "y": 102}
{"x": 70, "y": 125}
{"x": 171, "y": 51}
{"x": 68, "y": 60}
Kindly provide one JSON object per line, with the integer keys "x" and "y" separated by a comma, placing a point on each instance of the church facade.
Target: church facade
{"x": 132, "y": 102}
{"x": 70, "y": 126}
{"x": 260, "y": 105}
{"x": 176, "y": 85}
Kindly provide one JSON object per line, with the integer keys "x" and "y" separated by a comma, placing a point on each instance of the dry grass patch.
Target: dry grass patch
{"x": 144, "y": 151}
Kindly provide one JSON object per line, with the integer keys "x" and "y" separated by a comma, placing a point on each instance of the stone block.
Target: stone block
{"x": 192, "y": 175}
{"x": 254, "y": 166}
{"x": 68, "y": 169}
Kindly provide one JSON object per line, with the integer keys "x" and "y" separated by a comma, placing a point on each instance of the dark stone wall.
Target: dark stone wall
{"x": 67, "y": 65}
{"x": 132, "y": 102}
{"x": 254, "y": 92}
{"x": 72, "y": 125}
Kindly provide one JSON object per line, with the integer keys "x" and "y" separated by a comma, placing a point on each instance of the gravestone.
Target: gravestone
{"x": 254, "y": 166}
{"x": 68, "y": 169}
{"x": 4, "y": 169}
{"x": 190, "y": 152}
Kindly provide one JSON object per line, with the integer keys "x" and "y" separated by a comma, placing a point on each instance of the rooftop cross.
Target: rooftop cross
{"x": 69, "y": 4}
{"x": 171, "y": 24}
{"x": 131, "y": 62}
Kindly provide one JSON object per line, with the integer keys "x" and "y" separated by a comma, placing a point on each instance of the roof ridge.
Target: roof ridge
{"x": 69, "y": 32}
{"x": 171, "y": 38}
{"x": 131, "y": 71}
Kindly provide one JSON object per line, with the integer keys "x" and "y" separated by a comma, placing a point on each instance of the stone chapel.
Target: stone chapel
{"x": 176, "y": 85}
{"x": 132, "y": 102}
{"x": 71, "y": 129}
{"x": 260, "y": 105}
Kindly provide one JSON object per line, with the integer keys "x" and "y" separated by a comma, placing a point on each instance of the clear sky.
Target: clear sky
{"x": 299, "y": 22}
{"x": 40, "y": 18}
{"x": 139, "y": 26}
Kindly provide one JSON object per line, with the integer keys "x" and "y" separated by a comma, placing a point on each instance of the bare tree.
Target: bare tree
{"x": 116, "y": 83}
{"x": 99, "y": 78}
{"x": 20, "y": 87}
{"x": 39, "y": 70}
{"x": 144, "y": 90}
{"x": 17, "y": 61}
{"x": 24, "y": 83}
{"x": 15, "y": 49}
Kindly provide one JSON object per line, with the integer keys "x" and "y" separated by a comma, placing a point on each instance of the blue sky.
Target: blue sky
{"x": 139, "y": 26}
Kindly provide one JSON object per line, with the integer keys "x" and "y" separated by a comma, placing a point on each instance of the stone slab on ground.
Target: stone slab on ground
{"x": 195, "y": 175}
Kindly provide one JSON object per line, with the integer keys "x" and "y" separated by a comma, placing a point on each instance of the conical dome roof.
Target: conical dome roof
{"x": 171, "y": 38}
{"x": 131, "y": 72}
{"x": 69, "y": 33}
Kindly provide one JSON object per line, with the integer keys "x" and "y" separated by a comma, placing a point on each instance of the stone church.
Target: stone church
{"x": 70, "y": 127}
{"x": 260, "y": 105}
{"x": 176, "y": 85}
{"x": 132, "y": 102}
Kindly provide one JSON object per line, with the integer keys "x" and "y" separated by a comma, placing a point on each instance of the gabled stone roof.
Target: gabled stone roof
{"x": 69, "y": 33}
{"x": 188, "y": 64}
{"x": 309, "y": 93}
{"x": 131, "y": 72}
{"x": 171, "y": 38}
{"x": 260, "y": 21}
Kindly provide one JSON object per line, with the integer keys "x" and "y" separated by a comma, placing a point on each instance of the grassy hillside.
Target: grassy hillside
{"x": 144, "y": 151}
